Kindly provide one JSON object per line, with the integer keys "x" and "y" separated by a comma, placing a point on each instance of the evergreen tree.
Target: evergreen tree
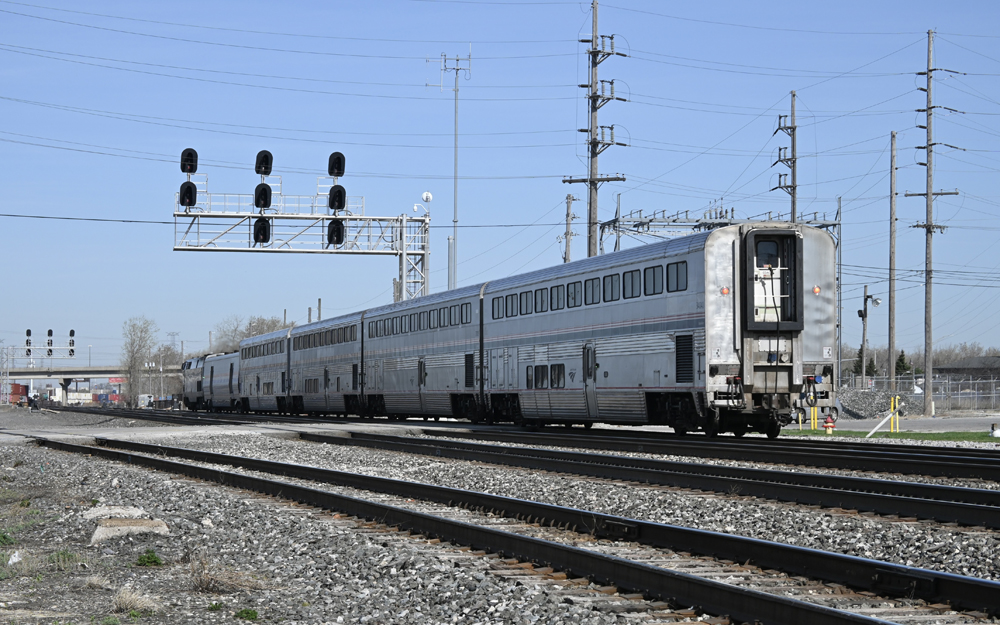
{"x": 902, "y": 367}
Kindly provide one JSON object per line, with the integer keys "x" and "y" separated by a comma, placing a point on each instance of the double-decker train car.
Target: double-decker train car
{"x": 731, "y": 329}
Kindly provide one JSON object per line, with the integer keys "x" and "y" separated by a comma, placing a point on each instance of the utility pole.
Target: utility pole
{"x": 453, "y": 239}
{"x": 784, "y": 159}
{"x": 598, "y": 98}
{"x": 209, "y": 340}
{"x": 892, "y": 264}
{"x": 929, "y": 227}
{"x": 864, "y": 337}
{"x": 840, "y": 300}
{"x": 319, "y": 309}
{"x": 569, "y": 226}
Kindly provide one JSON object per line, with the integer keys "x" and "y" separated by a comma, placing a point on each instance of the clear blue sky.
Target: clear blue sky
{"x": 99, "y": 99}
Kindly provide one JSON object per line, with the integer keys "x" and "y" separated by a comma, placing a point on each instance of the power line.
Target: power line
{"x": 262, "y": 48}
{"x": 278, "y": 33}
{"x": 268, "y": 87}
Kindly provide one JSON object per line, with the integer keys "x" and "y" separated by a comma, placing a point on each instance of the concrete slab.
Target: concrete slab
{"x": 114, "y": 528}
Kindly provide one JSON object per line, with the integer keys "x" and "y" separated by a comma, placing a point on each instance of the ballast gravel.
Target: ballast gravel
{"x": 964, "y": 551}
{"x": 288, "y": 565}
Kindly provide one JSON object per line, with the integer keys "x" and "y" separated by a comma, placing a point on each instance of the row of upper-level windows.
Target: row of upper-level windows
{"x": 609, "y": 288}
{"x": 335, "y": 336}
{"x": 264, "y": 349}
{"x": 447, "y": 316}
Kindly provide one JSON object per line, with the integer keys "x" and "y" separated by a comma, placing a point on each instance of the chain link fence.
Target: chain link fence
{"x": 951, "y": 393}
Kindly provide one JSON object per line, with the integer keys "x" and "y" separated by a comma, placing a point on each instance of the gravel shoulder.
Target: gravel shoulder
{"x": 965, "y": 551}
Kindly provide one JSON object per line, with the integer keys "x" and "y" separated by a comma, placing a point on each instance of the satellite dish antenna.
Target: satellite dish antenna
{"x": 427, "y": 197}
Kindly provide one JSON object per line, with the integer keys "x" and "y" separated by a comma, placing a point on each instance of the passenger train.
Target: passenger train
{"x": 728, "y": 330}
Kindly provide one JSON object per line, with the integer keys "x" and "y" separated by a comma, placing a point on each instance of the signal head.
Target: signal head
{"x": 48, "y": 353}
{"x": 189, "y": 161}
{"x": 338, "y": 198}
{"x": 72, "y": 353}
{"x": 262, "y": 196}
{"x": 72, "y": 333}
{"x": 336, "y": 165}
{"x": 188, "y": 195}
{"x": 50, "y": 333}
{"x": 264, "y": 163}
{"x": 335, "y": 232}
{"x": 261, "y": 230}
{"x": 27, "y": 333}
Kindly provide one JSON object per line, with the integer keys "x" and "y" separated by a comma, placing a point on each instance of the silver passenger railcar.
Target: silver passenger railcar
{"x": 727, "y": 330}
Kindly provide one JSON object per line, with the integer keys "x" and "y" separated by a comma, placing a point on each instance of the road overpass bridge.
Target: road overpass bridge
{"x": 76, "y": 373}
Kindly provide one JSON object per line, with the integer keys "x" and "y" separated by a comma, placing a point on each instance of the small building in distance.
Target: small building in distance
{"x": 975, "y": 368}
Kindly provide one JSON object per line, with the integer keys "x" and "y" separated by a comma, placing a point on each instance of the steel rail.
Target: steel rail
{"x": 926, "y": 463}
{"x": 639, "y": 435}
{"x": 739, "y": 603}
{"x": 907, "y": 499}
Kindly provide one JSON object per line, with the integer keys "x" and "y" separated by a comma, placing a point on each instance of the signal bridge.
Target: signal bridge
{"x": 269, "y": 221}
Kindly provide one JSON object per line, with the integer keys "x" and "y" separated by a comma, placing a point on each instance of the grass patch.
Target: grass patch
{"x": 149, "y": 559}
{"x": 215, "y": 607}
{"x": 975, "y": 437}
{"x": 64, "y": 559}
{"x": 5, "y": 539}
{"x": 110, "y": 620}
{"x": 128, "y": 600}
{"x": 247, "y": 614}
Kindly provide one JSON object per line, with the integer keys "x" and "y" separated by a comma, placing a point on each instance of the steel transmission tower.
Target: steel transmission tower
{"x": 600, "y": 92}
{"x": 791, "y": 162}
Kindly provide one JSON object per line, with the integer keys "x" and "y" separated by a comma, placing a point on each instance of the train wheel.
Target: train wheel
{"x": 588, "y": 425}
{"x": 739, "y": 431}
{"x": 773, "y": 429}
{"x": 680, "y": 430}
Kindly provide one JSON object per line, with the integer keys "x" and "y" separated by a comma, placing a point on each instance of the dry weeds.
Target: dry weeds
{"x": 207, "y": 578}
{"x": 128, "y": 599}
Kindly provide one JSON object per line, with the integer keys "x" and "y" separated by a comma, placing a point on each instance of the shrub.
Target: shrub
{"x": 215, "y": 607}
{"x": 247, "y": 614}
{"x": 149, "y": 559}
{"x": 5, "y": 539}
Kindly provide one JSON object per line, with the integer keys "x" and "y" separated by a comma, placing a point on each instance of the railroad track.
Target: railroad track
{"x": 177, "y": 417}
{"x": 660, "y": 561}
{"x": 906, "y": 459}
{"x": 946, "y": 504}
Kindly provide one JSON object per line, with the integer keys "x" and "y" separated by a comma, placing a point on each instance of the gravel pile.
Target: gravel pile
{"x": 859, "y": 404}
{"x": 972, "y": 552}
{"x": 287, "y": 566}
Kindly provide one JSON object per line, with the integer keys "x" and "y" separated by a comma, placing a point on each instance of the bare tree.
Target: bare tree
{"x": 139, "y": 339}
{"x": 230, "y": 331}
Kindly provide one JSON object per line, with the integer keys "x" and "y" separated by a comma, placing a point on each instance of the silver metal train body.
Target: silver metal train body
{"x": 732, "y": 329}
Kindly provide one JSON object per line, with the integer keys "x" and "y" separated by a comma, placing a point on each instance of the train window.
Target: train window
{"x": 354, "y": 377}
{"x": 326, "y": 378}
{"x": 677, "y": 277}
{"x": 378, "y": 328}
{"x": 541, "y": 376}
{"x": 354, "y": 333}
{"x": 767, "y": 254}
{"x": 404, "y": 324}
{"x": 574, "y": 294}
{"x": 466, "y": 313}
{"x": 434, "y": 318}
{"x": 331, "y": 337}
{"x": 557, "y": 297}
{"x": 654, "y": 280}
{"x": 541, "y": 300}
{"x": 314, "y": 339}
{"x": 423, "y": 320}
{"x": 498, "y": 308}
{"x": 592, "y": 291}
{"x": 526, "y": 302}
{"x": 558, "y": 376}
{"x": 455, "y": 319}
{"x": 510, "y": 305}
{"x": 371, "y": 329}
{"x": 444, "y": 323}
{"x": 631, "y": 284}
{"x": 528, "y": 377}
{"x": 395, "y": 325}
{"x": 612, "y": 287}
{"x": 414, "y": 322}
